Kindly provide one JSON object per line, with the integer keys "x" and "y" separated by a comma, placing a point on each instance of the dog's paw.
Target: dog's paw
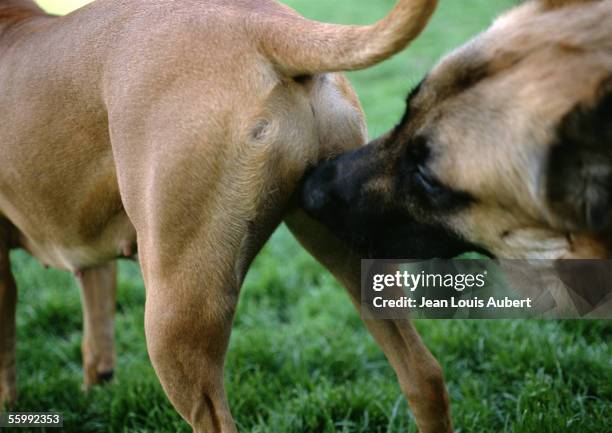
{"x": 94, "y": 377}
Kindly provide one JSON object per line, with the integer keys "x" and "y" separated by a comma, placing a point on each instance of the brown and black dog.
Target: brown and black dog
{"x": 506, "y": 145}
{"x": 182, "y": 128}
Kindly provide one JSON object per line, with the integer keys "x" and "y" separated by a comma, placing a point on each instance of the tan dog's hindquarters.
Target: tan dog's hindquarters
{"x": 187, "y": 126}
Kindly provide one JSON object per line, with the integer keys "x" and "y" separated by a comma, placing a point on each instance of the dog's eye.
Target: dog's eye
{"x": 426, "y": 180}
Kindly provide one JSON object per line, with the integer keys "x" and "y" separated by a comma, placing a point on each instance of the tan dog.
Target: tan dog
{"x": 506, "y": 145}
{"x": 182, "y": 128}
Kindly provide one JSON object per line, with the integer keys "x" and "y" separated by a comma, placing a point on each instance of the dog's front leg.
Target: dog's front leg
{"x": 418, "y": 372}
{"x": 98, "y": 294}
{"x": 8, "y": 304}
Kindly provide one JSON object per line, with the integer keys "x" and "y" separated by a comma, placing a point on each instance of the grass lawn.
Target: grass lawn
{"x": 300, "y": 361}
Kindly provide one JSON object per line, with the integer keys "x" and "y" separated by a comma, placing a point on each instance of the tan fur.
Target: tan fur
{"x": 98, "y": 292}
{"x": 334, "y": 48}
{"x": 185, "y": 127}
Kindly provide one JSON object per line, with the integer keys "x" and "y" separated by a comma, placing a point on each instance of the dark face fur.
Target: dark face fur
{"x": 506, "y": 146}
{"x": 351, "y": 195}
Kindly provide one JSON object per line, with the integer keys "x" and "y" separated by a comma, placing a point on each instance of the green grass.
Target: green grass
{"x": 300, "y": 361}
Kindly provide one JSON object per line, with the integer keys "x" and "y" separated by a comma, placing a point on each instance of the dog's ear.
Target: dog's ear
{"x": 579, "y": 173}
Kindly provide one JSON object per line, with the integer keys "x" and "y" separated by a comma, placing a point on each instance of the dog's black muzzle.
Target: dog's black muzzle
{"x": 340, "y": 194}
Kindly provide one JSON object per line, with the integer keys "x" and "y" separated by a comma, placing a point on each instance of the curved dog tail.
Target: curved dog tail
{"x": 302, "y": 47}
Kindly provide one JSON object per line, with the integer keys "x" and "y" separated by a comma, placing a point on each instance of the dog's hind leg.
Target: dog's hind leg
{"x": 98, "y": 294}
{"x": 418, "y": 372}
{"x": 8, "y": 304}
{"x": 188, "y": 319}
{"x": 189, "y": 265}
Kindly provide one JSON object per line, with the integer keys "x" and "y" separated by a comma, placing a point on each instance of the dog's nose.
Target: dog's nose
{"x": 318, "y": 190}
